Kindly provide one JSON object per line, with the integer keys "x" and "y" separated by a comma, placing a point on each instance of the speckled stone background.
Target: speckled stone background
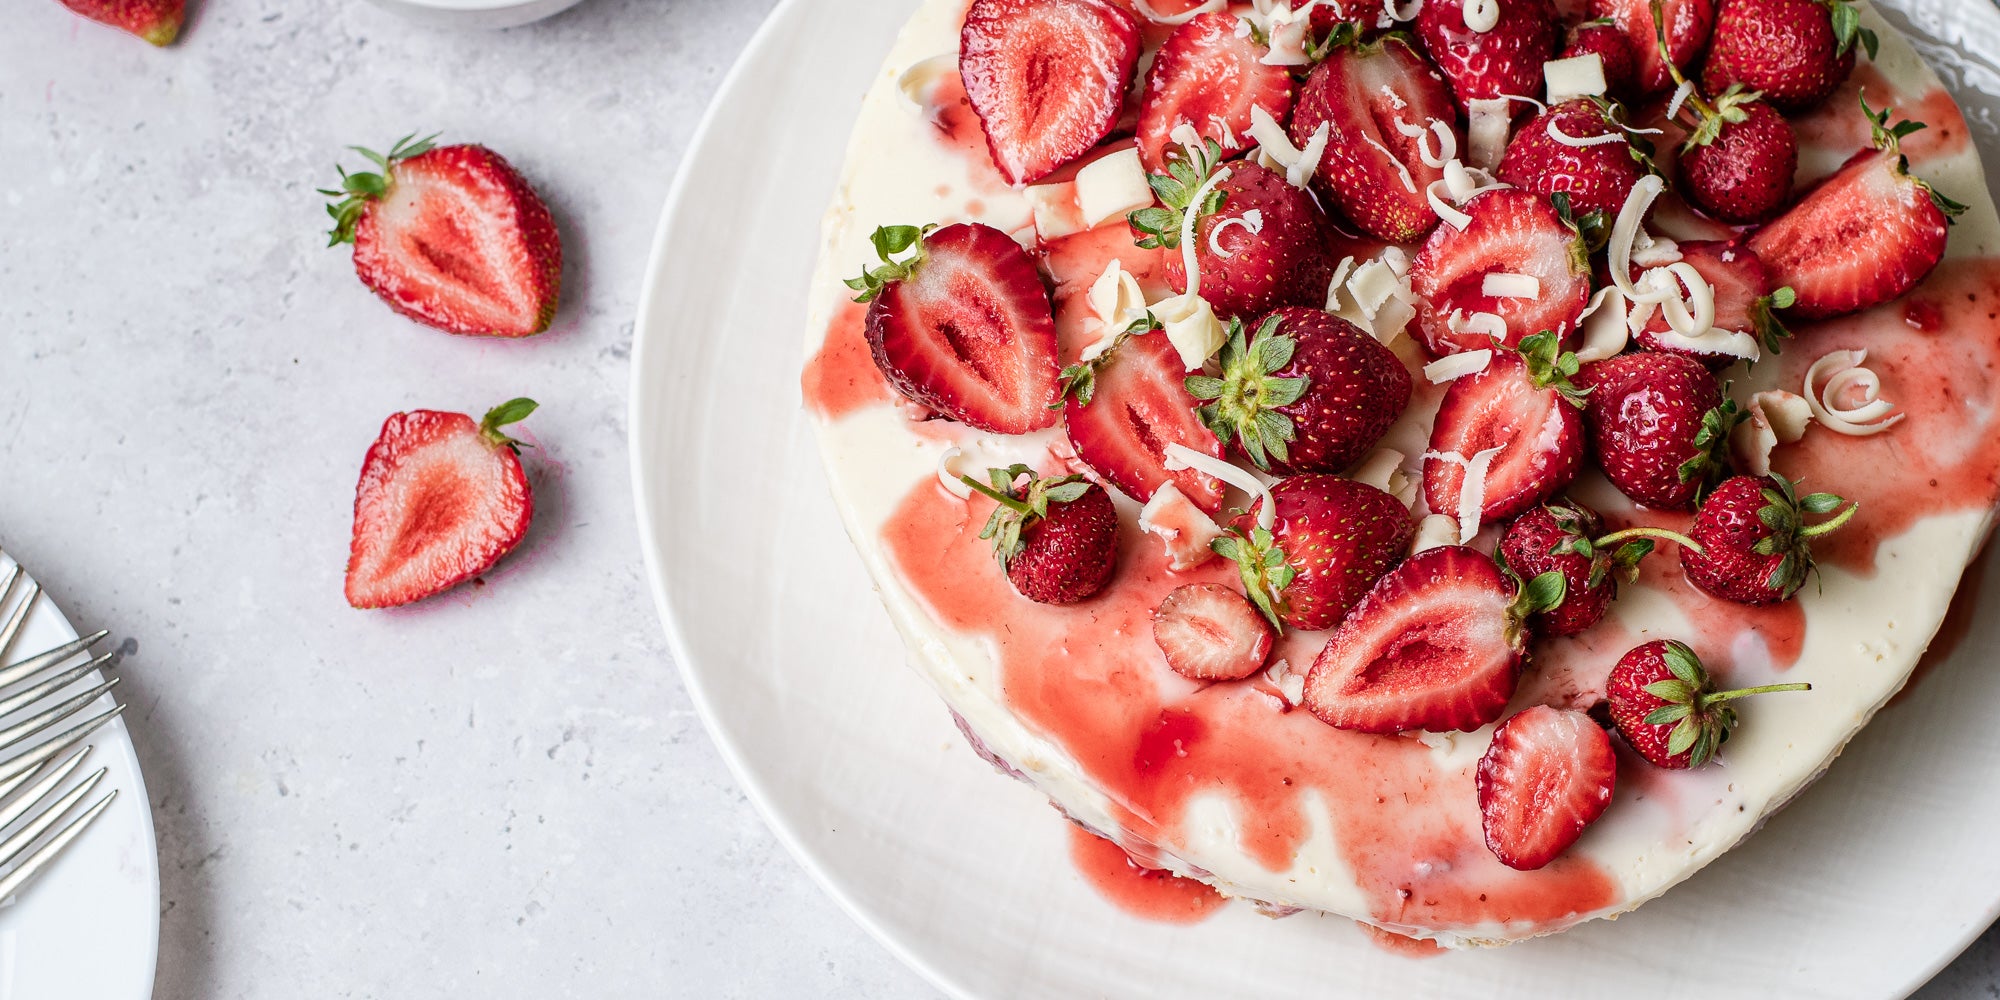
{"x": 504, "y": 793}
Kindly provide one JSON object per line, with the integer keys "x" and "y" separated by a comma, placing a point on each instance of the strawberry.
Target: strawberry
{"x": 1438, "y": 644}
{"x": 1210, "y": 77}
{"x": 1687, "y": 25}
{"x": 1547, "y": 776}
{"x": 1056, "y": 538}
{"x": 1329, "y": 540}
{"x": 1667, "y": 708}
{"x": 1660, "y": 425}
{"x": 1330, "y": 14}
{"x": 1309, "y": 393}
{"x": 1260, "y": 243}
{"x": 442, "y": 498}
{"x": 963, "y": 326}
{"x": 1503, "y": 60}
{"x": 1568, "y": 538}
{"x": 1125, "y": 406}
{"x": 157, "y": 21}
{"x": 1602, "y": 39}
{"x": 1047, "y": 78}
{"x": 1523, "y": 405}
{"x": 1211, "y": 633}
{"x": 1597, "y": 178}
{"x": 1756, "y": 547}
{"x": 1739, "y": 158}
{"x": 1794, "y": 52}
{"x": 1745, "y": 302}
{"x": 1372, "y": 97}
{"x": 1865, "y": 236}
{"x": 1512, "y": 232}
{"x": 452, "y": 237}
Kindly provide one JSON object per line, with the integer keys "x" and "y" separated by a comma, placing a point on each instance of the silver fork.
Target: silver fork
{"x": 39, "y": 752}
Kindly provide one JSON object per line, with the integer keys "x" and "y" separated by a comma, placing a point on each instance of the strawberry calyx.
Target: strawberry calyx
{"x": 1263, "y": 567}
{"x": 1550, "y": 367}
{"x": 1764, "y": 318}
{"x": 1710, "y": 462}
{"x": 1020, "y": 507}
{"x": 1619, "y": 552}
{"x": 1244, "y": 403}
{"x": 506, "y": 414}
{"x": 1592, "y": 229}
{"x": 1889, "y": 138}
{"x": 1701, "y": 716}
{"x": 357, "y": 191}
{"x": 1188, "y": 185}
{"x": 1710, "y": 116}
{"x": 890, "y": 241}
{"x": 1847, "y": 29}
{"x": 1540, "y": 595}
{"x": 1080, "y": 379}
{"x": 1785, "y": 512}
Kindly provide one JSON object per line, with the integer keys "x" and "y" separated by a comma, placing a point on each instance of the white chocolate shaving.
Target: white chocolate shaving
{"x": 1625, "y": 232}
{"x": 1505, "y": 285}
{"x": 1681, "y": 95}
{"x": 1118, "y": 302}
{"x": 1435, "y": 532}
{"x": 1577, "y": 76}
{"x": 1402, "y": 170}
{"x": 1488, "y": 123}
{"x": 1187, "y": 542}
{"x": 1836, "y": 379}
{"x": 1290, "y": 683}
{"x": 1457, "y": 366}
{"x": 1189, "y": 219}
{"x": 1383, "y": 469}
{"x": 1776, "y": 417}
{"x": 1252, "y": 222}
{"x": 948, "y": 477}
{"x": 1444, "y": 208}
{"x": 1207, "y": 6}
{"x": 1486, "y": 323}
{"x": 1112, "y": 187}
{"x": 920, "y": 80}
{"x": 1605, "y": 332}
{"x": 1481, "y": 16}
{"x": 1192, "y": 327}
{"x": 1472, "y": 490}
{"x": 1180, "y": 456}
{"x": 1583, "y": 142}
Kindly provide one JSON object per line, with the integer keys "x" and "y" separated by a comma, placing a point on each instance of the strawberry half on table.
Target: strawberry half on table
{"x": 452, "y": 237}
{"x": 442, "y": 498}
{"x": 157, "y": 21}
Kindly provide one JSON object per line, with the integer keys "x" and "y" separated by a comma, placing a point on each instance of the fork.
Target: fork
{"x": 31, "y": 775}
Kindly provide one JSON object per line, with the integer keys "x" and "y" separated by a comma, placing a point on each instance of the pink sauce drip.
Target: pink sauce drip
{"x": 1143, "y": 892}
{"x": 1397, "y": 944}
{"x": 841, "y": 377}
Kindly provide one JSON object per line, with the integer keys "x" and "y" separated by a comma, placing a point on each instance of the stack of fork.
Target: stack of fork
{"x": 41, "y": 699}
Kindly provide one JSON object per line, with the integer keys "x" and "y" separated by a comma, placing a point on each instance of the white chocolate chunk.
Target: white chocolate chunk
{"x": 1192, "y": 327}
{"x": 1577, "y": 76}
{"x": 1112, "y": 187}
{"x": 1184, "y": 528}
{"x": 1435, "y": 532}
{"x": 1457, "y": 366}
{"x": 1503, "y": 285}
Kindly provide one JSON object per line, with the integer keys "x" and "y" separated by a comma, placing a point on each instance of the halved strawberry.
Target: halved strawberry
{"x": 1330, "y": 540}
{"x": 1209, "y": 632}
{"x": 1379, "y": 101}
{"x": 1548, "y": 775}
{"x": 156, "y": 21}
{"x": 1660, "y": 425}
{"x": 1597, "y": 178}
{"x": 1864, "y": 237}
{"x": 1512, "y": 232}
{"x": 452, "y": 237}
{"x": 1523, "y": 405}
{"x": 1504, "y": 59}
{"x": 1689, "y": 23}
{"x": 963, "y": 326}
{"x": 1126, "y": 406}
{"x": 1260, "y": 243}
{"x": 1209, "y": 75}
{"x": 1046, "y": 77}
{"x": 1057, "y": 538}
{"x": 1437, "y": 645}
{"x": 442, "y": 498}
{"x": 1745, "y": 301}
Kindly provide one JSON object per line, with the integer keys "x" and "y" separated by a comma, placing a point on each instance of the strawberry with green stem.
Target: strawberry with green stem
{"x": 1568, "y": 538}
{"x": 1124, "y": 407}
{"x": 1741, "y": 154}
{"x": 1524, "y": 409}
{"x": 1320, "y": 546}
{"x": 1665, "y": 705}
{"x": 1755, "y": 541}
{"x": 1056, "y": 538}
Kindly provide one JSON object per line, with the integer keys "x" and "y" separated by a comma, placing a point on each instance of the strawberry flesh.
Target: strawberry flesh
{"x": 1209, "y": 632}
{"x": 1208, "y": 76}
{"x": 1539, "y": 434}
{"x": 1373, "y": 171}
{"x": 1138, "y": 407}
{"x": 1512, "y": 231}
{"x": 1047, "y": 78}
{"x": 1866, "y": 236}
{"x": 1547, "y": 776}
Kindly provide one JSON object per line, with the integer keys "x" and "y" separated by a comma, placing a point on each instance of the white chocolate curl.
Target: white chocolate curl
{"x": 948, "y": 477}
{"x": 1472, "y": 489}
{"x": 1383, "y": 469}
{"x": 1605, "y": 331}
{"x": 1847, "y": 398}
{"x": 1435, "y": 532}
{"x": 1481, "y": 16}
{"x": 1457, "y": 366}
{"x": 1207, "y": 7}
{"x": 1776, "y": 417}
{"x": 1180, "y": 456}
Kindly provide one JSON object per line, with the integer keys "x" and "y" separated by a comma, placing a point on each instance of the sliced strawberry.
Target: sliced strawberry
{"x": 1689, "y": 23}
{"x": 1548, "y": 775}
{"x": 1864, "y": 237}
{"x": 1057, "y": 538}
{"x": 1660, "y": 426}
{"x": 1437, "y": 645}
{"x": 1597, "y": 178}
{"x": 1512, "y": 232}
{"x": 1210, "y": 76}
{"x": 963, "y": 326}
{"x": 1331, "y": 539}
{"x": 1505, "y": 59}
{"x": 452, "y": 237}
{"x": 442, "y": 498}
{"x": 1126, "y": 407}
{"x": 1524, "y": 406}
{"x": 1046, "y": 77}
{"x": 1372, "y": 98}
{"x": 157, "y": 21}
{"x": 1260, "y": 243}
{"x": 1745, "y": 301}
{"x": 1212, "y": 633}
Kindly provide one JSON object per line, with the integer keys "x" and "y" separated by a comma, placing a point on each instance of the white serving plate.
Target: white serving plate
{"x": 478, "y": 13}
{"x": 89, "y": 927}
{"x": 1865, "y": 888}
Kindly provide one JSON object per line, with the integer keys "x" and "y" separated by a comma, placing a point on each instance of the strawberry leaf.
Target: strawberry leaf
{"x": 890, "y": 241}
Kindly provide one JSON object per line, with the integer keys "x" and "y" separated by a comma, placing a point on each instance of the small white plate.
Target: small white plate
{"x": 1865, "y": 888}
{"x": 89, "y": 927}
{"x": 478, "y": 13}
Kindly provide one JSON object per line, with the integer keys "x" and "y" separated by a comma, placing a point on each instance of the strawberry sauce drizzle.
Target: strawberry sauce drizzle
{"x": 841, "y": 377}
{"x": 1397, "y": 944}
{"x": 1148, "y": 893}
{"x": 1089, "y": 678}
{"x": 1837, "y": 124}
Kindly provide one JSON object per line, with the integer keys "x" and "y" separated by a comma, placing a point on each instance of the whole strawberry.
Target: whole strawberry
{"x": 1056, "y": 538}
{"x": 1329, "y": 539}
{"x": 1568, "y": 538}
{"x": 1756, "y": 547}
{"x": 1795, "y": 52}
{"x": 1667, "y": 708}
{"x": 1309, "y": 393}
{"x": 1598, "y": 178}
{"x": 452, "y": 237}
{"x": 442, "y": 498}
{"x": 1686, "y": 23}
{"x": 1602, "y": 39}
{"x": 1660, "y": 425}
{"x": 156, "y": 21}
{"x": 1740, "y": 156}
{"x": 1492, "y": 60}
{"x": 1259, "y": 242}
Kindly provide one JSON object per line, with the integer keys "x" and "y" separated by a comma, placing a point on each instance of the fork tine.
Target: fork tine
{"x": 14, "y": 703}
{"x": 8, "y": 786}
{"x": 12, "y": 847}
{"x": 18, "y": 806}
{"x": 41, "y": 661}
{"x": 34, "y": 724}
{"x": 39, "y": 860}
{"x": 32, "y": 759}
{"x": 20, "y": 615}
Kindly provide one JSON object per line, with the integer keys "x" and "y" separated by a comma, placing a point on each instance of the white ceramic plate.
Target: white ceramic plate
{"x": 1865, "y": 888}
{"x": 478, "y": 13}
{"x": 90, "y": 925}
